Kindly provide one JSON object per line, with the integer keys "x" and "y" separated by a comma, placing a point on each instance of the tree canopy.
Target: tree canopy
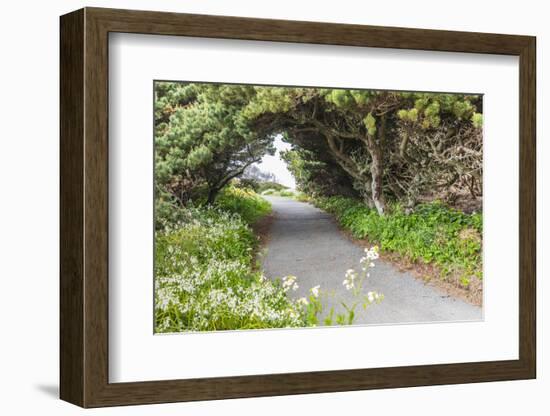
{"x": 379, "y": 145}
{"x": 202, "y": 139}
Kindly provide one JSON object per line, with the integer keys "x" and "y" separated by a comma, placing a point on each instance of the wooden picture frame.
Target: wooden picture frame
{"x": 84, "y": 207}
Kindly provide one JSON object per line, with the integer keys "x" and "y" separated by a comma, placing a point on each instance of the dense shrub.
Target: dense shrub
{"x": 263, "y": 186}
{"x": 432, "y": 233}
{"x": 246, "y": 203}
{"x": 204, "y": 279}
{"x": 168, "y": 211}
{"x": 287, "y": 193}
{"x": 246, "y": 183}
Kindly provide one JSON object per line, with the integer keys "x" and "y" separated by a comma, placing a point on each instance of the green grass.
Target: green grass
{"x": 246, "y": 203}
{"x": 433, "y": 233}
{"x": 286, "y": 193}
{"x": 264, "y": 186}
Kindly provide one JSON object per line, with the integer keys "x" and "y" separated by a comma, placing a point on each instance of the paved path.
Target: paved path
{"x": 305, "y": 241}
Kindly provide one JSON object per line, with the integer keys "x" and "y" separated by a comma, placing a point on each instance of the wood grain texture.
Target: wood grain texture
{"x": 527, "y": 207}
{"x": 162, "y": 23}
{"x": 84, "y": 207}
{"x": 71, "y": 185}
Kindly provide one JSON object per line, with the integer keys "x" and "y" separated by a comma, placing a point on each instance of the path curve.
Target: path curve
{"x": 305, "y": 241}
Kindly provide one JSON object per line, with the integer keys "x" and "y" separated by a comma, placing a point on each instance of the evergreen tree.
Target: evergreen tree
{"x": 202, "y": 140}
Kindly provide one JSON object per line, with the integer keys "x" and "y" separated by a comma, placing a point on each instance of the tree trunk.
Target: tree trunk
{"x": 212, "y": 194}
{"x": 376, "y": 174}
{"x": 376, "y": 169}
{"x": 367, "y": 199}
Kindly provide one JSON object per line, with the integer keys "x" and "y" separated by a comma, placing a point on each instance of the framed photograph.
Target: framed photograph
{"x": 255, "y": 207}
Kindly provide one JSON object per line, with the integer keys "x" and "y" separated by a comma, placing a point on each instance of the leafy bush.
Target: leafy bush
{"x": 433, "y": 233}
{"x": 246, "y": 203}
{"x": 288, "y": 193}
{"x": 204, "y": 279}
{"x": 246, "y": 183}
{"x": 168, "y": 211}
{"x": 302, "y": 197}
{"x": 242, "y": 201}
{"x": 263, "y": 186}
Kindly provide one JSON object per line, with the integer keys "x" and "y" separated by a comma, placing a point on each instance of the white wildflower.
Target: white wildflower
{"x": 315, "y": 290}
{"x": 289, "y": 282}
{"x": 351, "y": 274}
{"x": 302, "y": 302}
{"x": 348, "y": 284}
{"x": 374, "y": 296}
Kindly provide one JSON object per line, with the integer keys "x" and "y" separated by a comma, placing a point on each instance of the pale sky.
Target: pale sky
{"x": 277, "y": 166}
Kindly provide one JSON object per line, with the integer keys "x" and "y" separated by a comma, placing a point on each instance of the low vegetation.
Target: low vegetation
{"x": 433, "y": 234}
{"x": 205, "y": 279}
{"x": 204, "y": 274}
{"x": 246, "y": 203}
{"x": 287, "y": 193}
{"x": 262, "y": 187}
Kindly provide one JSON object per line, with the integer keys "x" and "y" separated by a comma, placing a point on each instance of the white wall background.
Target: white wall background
{"x": 29, "y": 206}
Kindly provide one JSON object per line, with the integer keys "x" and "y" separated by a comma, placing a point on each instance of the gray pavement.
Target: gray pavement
{"x": 306, "y": 242}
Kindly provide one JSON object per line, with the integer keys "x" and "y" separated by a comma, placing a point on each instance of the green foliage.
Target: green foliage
{"x": 347, "y": 132}
{"x": 264, "y": 186}
{"x": 314, "y": 176}
{"x": 347, "y": 99}
{"x": 433, "y": 233}
{"x": 204, "y": 280}
{"x": 462, "y": 109}
{"x": 408, "y": 115}
{"x": 370, "y": 123}
{"x": 477, "y": 120}
{"x": 429, "y": 109}
{"x": 246, "y": 203}
{"x": 167, "y": 211}
{"x": 431, "y": 115}
{"x": 246, "y": 183}
{"x": 287, "y": 193}
{"x": 341, "y": 98}
{"x": 208, "y": 134}
{"x": 269, "y": 100}
{"x": 202, "y": 136}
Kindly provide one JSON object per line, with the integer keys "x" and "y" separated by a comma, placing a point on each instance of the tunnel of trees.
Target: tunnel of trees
{"x": 380, "y": 146}
{"x": 400, "y": 170}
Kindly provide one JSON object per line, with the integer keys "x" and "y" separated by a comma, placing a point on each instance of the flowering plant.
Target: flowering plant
{"x": 353, "y": 282}
{"x": 204, "y": 280}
